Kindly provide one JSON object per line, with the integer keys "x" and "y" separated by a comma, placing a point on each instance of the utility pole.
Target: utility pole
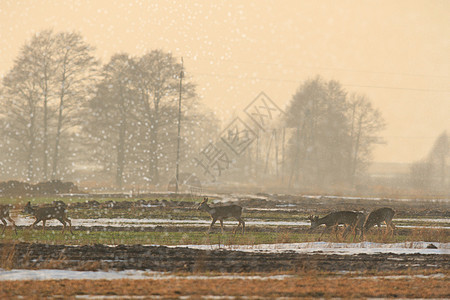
{"x": 179, "y": 128}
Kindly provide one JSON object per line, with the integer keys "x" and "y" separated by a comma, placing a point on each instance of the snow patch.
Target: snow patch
{"x": 335, "y": 248}
{"x": 49, "y": 274}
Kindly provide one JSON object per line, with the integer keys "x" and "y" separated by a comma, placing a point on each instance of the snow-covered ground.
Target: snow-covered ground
{"x": 125, "y": 222}
{"x": 335, "y": 248}
{"x": 49, "y": 274}
{"x": 121, "y": 222}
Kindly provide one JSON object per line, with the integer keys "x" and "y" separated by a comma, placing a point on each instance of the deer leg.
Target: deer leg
{"x": 336, "y": 230}
{"x": 237, "y": 227}
{"x": 243, "y": 225}
{"x": 239, "y": 224}
{"x": 211, "y": 225}
{"x": 326, "y": 228}
{"x": 64, "y": 224}
{"x": 221, "y": 224}
{"x": 354, "y": 235}
{"x": 347, "y": 230}
{"x": 390, "y": 225}
{"x": 361, "y": 235}
{"x": 70, "y": 225}
{"x": 4, "y": 225}
{"x": 13, "y": 224}
{"x": 35, "y": 222}
{"x": 350, "y": 228}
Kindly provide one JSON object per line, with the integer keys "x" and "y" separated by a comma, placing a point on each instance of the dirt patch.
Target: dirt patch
{"x": 176, "y": 259}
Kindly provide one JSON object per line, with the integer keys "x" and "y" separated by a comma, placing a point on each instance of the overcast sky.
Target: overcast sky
{"x": 395, "y": 52}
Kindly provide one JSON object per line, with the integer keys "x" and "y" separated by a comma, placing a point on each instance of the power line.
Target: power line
{"x": 296, "y": 81}
{"x": 328, "y": 68}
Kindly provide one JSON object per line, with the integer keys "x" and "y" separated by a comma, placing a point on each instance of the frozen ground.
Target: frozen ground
{"x": 50, "y": 274}
{"x": 335, "y": 248}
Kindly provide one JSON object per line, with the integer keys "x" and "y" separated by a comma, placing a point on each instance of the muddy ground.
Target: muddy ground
{"x": 168, "y": 259}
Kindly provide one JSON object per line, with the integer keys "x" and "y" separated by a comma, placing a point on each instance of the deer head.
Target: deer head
{"x": 203, "y": 204}
{"x": 313, "y": 220}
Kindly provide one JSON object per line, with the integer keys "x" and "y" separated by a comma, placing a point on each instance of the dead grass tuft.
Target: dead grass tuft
{"x": 8, "y": 256}
{"x": 430, "y": 235}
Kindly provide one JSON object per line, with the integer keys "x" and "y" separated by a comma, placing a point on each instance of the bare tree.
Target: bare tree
{"x": 439, "y": 155}
{"x": 365, "y": 122}
{"x": 112, "y": 109}
{"x": 51, "y": 68}
{"x": 41, "y": 50}
{"x": 157, "y": 82}
{"x": 317, "y": 112}
{"x": 76, "y": 67}
{"x": 333, "y": 133}
{"x": 19, "y": 111}
{"x": 432, "y": 171}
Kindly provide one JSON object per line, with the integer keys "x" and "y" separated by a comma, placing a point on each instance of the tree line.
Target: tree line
{"x": 62, "y": 111}
{"x": 432, "y": 172}
{"x": 323, "y": 141}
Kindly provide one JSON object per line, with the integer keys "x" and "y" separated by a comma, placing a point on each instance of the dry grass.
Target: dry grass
{"x": 7, "y": 256}
{"x": 296, "y": 287}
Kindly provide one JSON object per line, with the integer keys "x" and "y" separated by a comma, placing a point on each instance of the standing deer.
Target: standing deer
{"x": 222, "y": 212}
{"x": 43, "y": 214}
{"x": 379, "y": 216}
{"x": 335, "y": 219}
{"x": 4, "y": 214}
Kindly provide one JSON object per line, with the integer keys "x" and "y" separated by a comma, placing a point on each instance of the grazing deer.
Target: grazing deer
{"x": 4, "y": 214}
{"x": 43, "y": 214}
{"x": 379, "y": 216}
{"x": 222, "y": 212}
{"x": 359, "y": 226}
{"x": 334, "y": 219}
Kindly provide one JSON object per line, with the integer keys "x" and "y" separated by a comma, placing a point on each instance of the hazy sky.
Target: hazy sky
{"x": 395, "y": 52}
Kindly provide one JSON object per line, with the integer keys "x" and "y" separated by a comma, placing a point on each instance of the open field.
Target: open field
{"x": 299, "y": 286}
{"x": 278, "y": 256}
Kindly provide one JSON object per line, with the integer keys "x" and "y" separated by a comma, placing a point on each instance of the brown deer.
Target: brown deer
{"x": 379, "y": 216}
{"x": 359, "y": 226}
{"x": 4, "y": 215}
{"x": 333, "y": 220}
{"x": 222, "y": 212}
{"x": 43, "y": 214}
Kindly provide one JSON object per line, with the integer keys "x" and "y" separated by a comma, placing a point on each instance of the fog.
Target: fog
{"x": 275, "y": 96}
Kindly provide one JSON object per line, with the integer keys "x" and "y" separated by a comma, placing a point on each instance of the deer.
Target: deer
{"x": 379, "y": 216}
{"x": 4, "y": 215}
{"x": 359, "y": 226}
{"x": 57, "y": 211}
{"x": 222, "y": 212}
{"x": 334, "y": 219}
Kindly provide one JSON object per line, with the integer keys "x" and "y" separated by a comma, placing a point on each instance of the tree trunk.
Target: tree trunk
{"x": 121, "y": 152}
{"x": 59, "y": 126}
{"x": 355, "y": 154}
{"x": 32, "y": 145}
{"x": 45, "y": 137}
